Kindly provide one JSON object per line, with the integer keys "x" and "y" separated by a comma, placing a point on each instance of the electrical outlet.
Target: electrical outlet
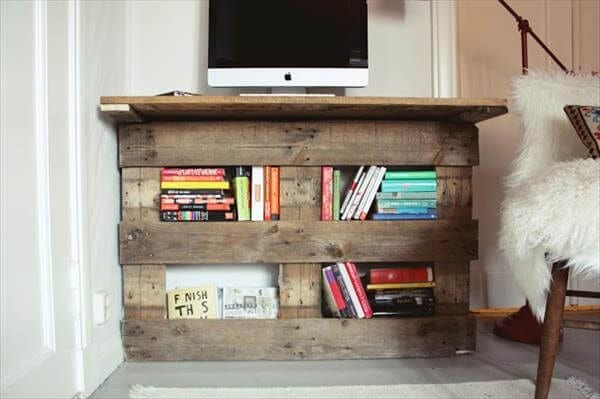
{"x": 101, "y": 307}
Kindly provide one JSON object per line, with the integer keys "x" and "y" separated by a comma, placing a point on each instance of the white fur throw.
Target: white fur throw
{"x": 552, "y": 207}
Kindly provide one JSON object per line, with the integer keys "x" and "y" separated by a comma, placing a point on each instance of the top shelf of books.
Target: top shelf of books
{"x": 188, "y": 108}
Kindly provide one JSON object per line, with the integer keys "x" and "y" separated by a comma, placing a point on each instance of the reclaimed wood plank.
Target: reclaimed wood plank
{"x": 302, "y": 143}
{"x": 282, "y": 107}
{"x": 451, "y": 289}
{"x": 140, "y": 194}
{"x": 298, "y": 241}
{"x": 300, "y": 283}
{"x": 454, "y": 192}
{"x": 144, "y": 295}
{"x": 314, "y": 339}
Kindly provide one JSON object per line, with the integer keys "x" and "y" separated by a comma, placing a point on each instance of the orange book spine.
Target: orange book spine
{"x": 274, "y": 193}
{"x": 267, "y": 193}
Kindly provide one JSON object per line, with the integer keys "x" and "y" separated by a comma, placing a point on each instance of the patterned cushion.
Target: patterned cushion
{"x": 586, "y": 121}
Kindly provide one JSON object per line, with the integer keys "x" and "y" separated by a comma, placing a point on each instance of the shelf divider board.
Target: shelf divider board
{"x": 300, "y": 283}
{"x": 298, "y": 143}
{"x": 298, "y": 242}
{"x": 454, "y": 201}
{"x": 144, "y": 295}
{"x": 454, "y": 193}
{"x": 144, "y": 290}
{"x": 306, "y": 339}
{"x": 451, "y": 289}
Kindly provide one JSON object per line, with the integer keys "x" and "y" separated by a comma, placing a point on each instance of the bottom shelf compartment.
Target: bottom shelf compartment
{"x": 297, "y": 339}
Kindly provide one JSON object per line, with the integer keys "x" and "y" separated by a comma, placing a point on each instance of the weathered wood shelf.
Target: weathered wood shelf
{"x": 298, "y": 241}
{"x": 165, "y": 108}
{"x": 300, "y": 134}
{"x": 299, "y": 339}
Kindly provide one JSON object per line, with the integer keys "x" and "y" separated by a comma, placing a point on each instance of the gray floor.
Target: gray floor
{"x": 495, "y": 359}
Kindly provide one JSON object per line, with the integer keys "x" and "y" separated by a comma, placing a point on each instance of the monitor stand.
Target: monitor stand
{"x": 289, "y": 92}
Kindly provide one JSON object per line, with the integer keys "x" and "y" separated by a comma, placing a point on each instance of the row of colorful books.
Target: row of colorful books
{"x": 195, "y": 194}
{"x": 359, "y": 195}
{"x": 256, "y": 190}
{"x": 207, "y": 194}
{"x": 263, "y": 196}
{"x": 210, "y": 302}
{"x": 405, "y": 194}
{"x": 401, "y": 291}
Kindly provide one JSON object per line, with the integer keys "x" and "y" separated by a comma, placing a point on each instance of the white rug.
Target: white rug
{"x": 513, "y": 389}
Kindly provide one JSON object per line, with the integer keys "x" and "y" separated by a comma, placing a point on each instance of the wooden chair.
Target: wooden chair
{"x": 552, "y": 323}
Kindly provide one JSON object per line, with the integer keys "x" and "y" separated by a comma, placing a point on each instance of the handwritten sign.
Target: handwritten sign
{"x": 192, "y": 303}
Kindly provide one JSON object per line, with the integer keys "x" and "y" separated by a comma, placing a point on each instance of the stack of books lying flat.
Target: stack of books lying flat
{"x": 195, "y": 195}
{"x": 402, "y": 291}
{"x": 407, "y": 195}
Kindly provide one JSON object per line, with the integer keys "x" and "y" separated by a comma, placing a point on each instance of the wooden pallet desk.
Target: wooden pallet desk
{"x": 300, "y": 134}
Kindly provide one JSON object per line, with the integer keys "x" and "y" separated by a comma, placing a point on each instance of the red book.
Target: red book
{"x": 327, "y": 193}
{"x": 274, "y": 193}
{"x": 191, "y": 178}
{"x": 267, "y": 193}
{"x": 401, "y": 275}
{"x": 360, "y": 290}
{"x": 192, "y": 172}
{"x": 336, "y": 292}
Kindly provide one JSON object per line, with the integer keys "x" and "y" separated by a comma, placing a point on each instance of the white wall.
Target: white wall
{"x": 102, "y": 58}
{"x": 489, "y": 57}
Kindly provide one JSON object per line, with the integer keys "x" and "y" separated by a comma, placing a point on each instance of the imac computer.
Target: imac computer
{"x": 287, "y": 43}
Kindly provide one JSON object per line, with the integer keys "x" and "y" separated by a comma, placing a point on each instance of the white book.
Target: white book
{"x": 360, "y": 180}
{"x": 351, "y": 189}
{"x": 257, "y": 209}
{"x": 360, "y": 191}
{"x": 371, "y": 195}
{"x": 366, "y": 194}
{"x": 351, "y": 291}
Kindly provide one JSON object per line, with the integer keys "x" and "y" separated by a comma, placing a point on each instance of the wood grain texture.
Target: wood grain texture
{"x": 144, "y": 295}
{"x": 300, "y": 283}
{"x": 140, "y": 194}
{"x": 300, "y": 193}
{"x": 308, "y": 143}
{"x": 454, "y": 192}
{"x": 300, "y": 290}
{"x": 451, "y": 289}
{"x": 315, "y": 339}
{"x": 275, "y": 107}
{"x": 298, "y": 241}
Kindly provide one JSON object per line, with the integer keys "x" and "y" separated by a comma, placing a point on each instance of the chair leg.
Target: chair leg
{"x": 551, "y": 330}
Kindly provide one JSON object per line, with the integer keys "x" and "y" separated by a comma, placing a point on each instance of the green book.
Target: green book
{"x": 391, "y": 186}
{"x": 400, "y": 203}
{"x": 336, "y": 195}
{"x": 410, "y": 174}
{"x": 241, "y": 186}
